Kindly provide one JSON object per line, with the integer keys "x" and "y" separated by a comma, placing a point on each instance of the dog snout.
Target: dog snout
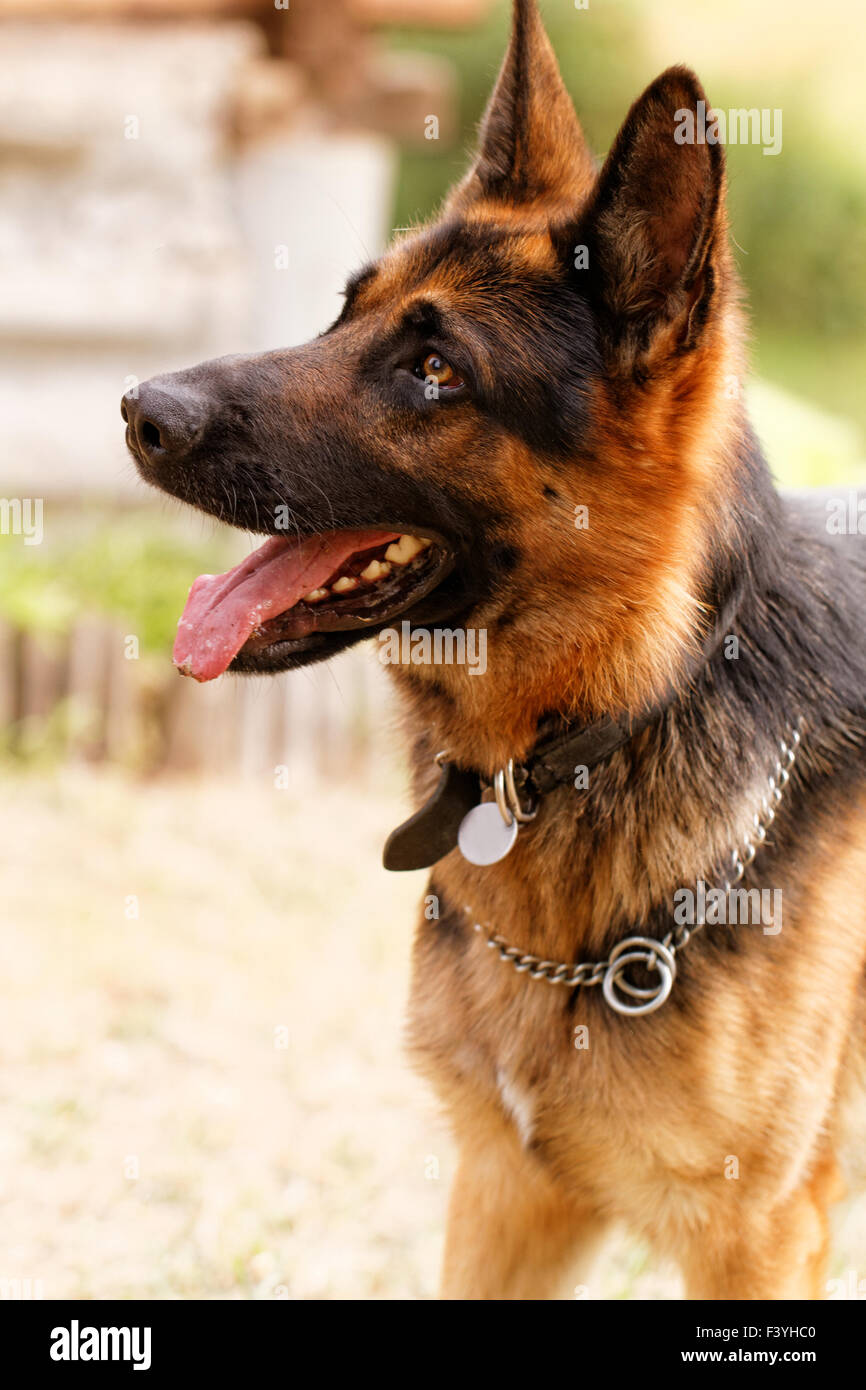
{"x": 164, "y": 419}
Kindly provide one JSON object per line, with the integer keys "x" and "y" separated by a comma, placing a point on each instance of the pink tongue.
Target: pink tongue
{"x": 224, "y": 609}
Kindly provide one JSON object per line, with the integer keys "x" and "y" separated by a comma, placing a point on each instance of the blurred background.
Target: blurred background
{"x": 202, "y": 964}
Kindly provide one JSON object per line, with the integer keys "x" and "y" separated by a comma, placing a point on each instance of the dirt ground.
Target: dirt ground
{"x": 203, "y": 1091}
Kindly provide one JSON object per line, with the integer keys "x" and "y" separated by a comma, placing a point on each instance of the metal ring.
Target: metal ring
{"x": 612, "y": 980}
{"x": 636, "y": 991}
{"x": 513, "y": 798}
{"x": 655, "y": 955}
{"x": 499, "y": 789}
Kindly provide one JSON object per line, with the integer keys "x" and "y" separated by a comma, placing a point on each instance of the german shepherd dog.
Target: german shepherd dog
{"x": 527, "y": 422}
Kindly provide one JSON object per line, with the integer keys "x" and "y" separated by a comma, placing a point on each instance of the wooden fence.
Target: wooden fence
{"x": 78, "y": 696}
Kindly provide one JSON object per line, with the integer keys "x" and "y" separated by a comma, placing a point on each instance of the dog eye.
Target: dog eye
{"x": 435, "y": 368}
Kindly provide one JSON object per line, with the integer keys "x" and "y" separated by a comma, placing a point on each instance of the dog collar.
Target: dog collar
{"x": 458, "y": 813}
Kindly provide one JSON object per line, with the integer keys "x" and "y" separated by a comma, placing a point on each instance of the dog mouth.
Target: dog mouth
{"x": 289, "y": 594}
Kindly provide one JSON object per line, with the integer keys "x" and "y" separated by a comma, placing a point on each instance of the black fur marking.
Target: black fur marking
{"x": 504, "y": 559}
{"x": 542, "y": 397}
{"x": 450, "y": 927}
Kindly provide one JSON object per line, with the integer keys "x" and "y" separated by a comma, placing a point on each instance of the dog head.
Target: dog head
{"x": 519, "y": 422}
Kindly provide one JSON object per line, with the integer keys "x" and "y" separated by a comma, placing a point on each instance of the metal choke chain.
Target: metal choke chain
{"x": 653, "y": 954}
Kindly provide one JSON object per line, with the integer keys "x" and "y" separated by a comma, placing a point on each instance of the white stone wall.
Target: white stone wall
{"x": 136, "y": 235}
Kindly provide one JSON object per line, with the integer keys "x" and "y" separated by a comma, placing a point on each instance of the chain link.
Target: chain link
{"x": 589, "y": 973}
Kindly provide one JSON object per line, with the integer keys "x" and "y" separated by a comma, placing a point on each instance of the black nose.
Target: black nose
{"x": 164, "y": 418}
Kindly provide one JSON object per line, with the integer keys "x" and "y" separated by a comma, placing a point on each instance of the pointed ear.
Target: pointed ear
{"x": 531, "y": 145}
{"x": 655, "y": 228}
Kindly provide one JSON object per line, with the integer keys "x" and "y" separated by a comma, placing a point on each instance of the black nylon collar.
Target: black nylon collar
{"x": 431, "y": 833}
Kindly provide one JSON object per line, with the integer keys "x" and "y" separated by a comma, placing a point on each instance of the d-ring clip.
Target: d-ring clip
{"x": 646, "y": 951}
{"x": 508, "y": 799}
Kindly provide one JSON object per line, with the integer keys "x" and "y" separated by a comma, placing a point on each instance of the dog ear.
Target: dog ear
{"x": 531, "y": 147}
{"x": 654, "y": 231}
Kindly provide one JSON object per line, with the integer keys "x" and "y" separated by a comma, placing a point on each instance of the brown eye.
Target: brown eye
{"x": 436, "y": 368}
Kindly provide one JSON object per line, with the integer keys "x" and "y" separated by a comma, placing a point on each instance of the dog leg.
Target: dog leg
{"x": 774, "y": 1254}
{"x": 511, "y": 1233}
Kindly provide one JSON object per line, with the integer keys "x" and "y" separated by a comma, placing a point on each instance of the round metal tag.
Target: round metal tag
{"x": 483, "y": 837}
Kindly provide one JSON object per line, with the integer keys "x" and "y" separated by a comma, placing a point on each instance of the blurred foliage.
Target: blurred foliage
{"x": 134, "y": 565}
{"x": 804, "y": 446}
{"x": 797, "y": 218}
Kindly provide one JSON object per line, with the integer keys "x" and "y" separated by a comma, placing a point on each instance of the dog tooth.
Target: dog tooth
{"x": 344, "y": 584}
{"x": 315, "y": 596}
{"x": 404, "y": 550}
{"x": 376, "y": 570}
